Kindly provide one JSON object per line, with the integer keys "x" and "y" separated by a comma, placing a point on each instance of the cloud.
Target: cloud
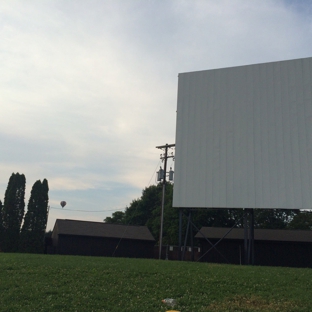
{"x": 88, "y": 89}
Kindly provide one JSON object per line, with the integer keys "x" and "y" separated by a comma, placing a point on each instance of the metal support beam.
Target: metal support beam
{"x": 180, "y": 233}
{"x": 186, "y": 234}
{"x": 249, "y": 236}
{"x": 192, "y": 238}
{"x": 245, "y": 236}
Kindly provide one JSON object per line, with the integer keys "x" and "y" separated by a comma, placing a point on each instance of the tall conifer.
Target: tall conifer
{"x": 35, "y": 221}
{"x": 13, "y": 211}
{"x": 1, "y": 226}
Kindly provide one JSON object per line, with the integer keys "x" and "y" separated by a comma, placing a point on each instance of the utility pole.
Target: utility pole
{"x": 164, "y": 158}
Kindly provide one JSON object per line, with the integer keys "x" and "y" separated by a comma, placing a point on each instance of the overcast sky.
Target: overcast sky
{"x": 88, "y": 89}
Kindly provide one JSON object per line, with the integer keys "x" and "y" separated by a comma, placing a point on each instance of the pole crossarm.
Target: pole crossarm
{"x": 165, "y": 156}
{"x": 165, "y": 146}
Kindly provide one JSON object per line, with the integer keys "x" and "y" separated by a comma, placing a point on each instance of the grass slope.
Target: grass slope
{"x": 69, "y": 283}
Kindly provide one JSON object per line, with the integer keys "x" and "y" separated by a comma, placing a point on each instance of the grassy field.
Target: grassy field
{"x": 69, "y": 283}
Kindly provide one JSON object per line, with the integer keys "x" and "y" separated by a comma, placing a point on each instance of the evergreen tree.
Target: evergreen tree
{"x": 1, "y": 226}
{"x": 13, "y": 211}
{"x": 35, "y": 221}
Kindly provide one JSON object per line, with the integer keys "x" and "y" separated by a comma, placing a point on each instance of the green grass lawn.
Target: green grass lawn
{"x": 72, "y": 283}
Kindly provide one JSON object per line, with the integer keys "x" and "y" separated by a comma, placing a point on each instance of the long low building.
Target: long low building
{"x": 292, "y": 248}
{"x": 74, "y": 237}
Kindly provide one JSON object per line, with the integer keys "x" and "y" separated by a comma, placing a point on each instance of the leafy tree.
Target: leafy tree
{"x": 301, "y": 221}
{"x": 171, "y": 217}
{"x": 218, "y": 217}
{"x": 13, "y": 211}
{"x": 117, "y": 217}
{"x": 141, "y": 210}
{"x": 35, "y": 221}
{"x": 146, "y": 210}
{"x": 274, "y": 218}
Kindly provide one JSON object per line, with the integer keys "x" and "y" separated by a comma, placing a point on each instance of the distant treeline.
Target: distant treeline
{"x": 146, "y": 210}
{"x": 19, "y": 232}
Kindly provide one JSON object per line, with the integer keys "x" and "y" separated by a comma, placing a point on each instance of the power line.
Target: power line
{"x": 85, "y": 210}
{"x": 153, "y": 173}
{"x": 78, "y": 210}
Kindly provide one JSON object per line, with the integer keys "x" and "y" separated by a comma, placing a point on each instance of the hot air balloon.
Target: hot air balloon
{"x": 63, "y": 203}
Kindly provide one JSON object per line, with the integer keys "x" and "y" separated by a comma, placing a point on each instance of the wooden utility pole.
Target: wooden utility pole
{"x": 164, "y": 158}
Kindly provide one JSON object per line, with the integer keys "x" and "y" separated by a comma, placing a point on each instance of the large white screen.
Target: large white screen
{"x": 244, "y": 137}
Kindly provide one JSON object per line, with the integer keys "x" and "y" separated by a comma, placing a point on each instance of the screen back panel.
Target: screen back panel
{"x": 244, "y": 137}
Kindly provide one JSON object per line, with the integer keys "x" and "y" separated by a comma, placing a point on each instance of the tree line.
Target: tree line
{"x": 146, "y": 210}
{"x": 20, "y": 232}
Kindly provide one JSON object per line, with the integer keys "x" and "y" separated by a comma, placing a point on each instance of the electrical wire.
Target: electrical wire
{"x": 149, "y": 183}
{"x": 84, "y": 210}
{"x": 108, "y": 209}
{"x": 111, "y": 210}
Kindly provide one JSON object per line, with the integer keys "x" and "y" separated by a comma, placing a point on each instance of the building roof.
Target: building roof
{"x": 101, "y": 229}
{"x": 260, "y": 234}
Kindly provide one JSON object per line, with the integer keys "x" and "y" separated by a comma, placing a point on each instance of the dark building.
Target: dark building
{"x": 292, "y": 248}
{"x": 73, "y": 237}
